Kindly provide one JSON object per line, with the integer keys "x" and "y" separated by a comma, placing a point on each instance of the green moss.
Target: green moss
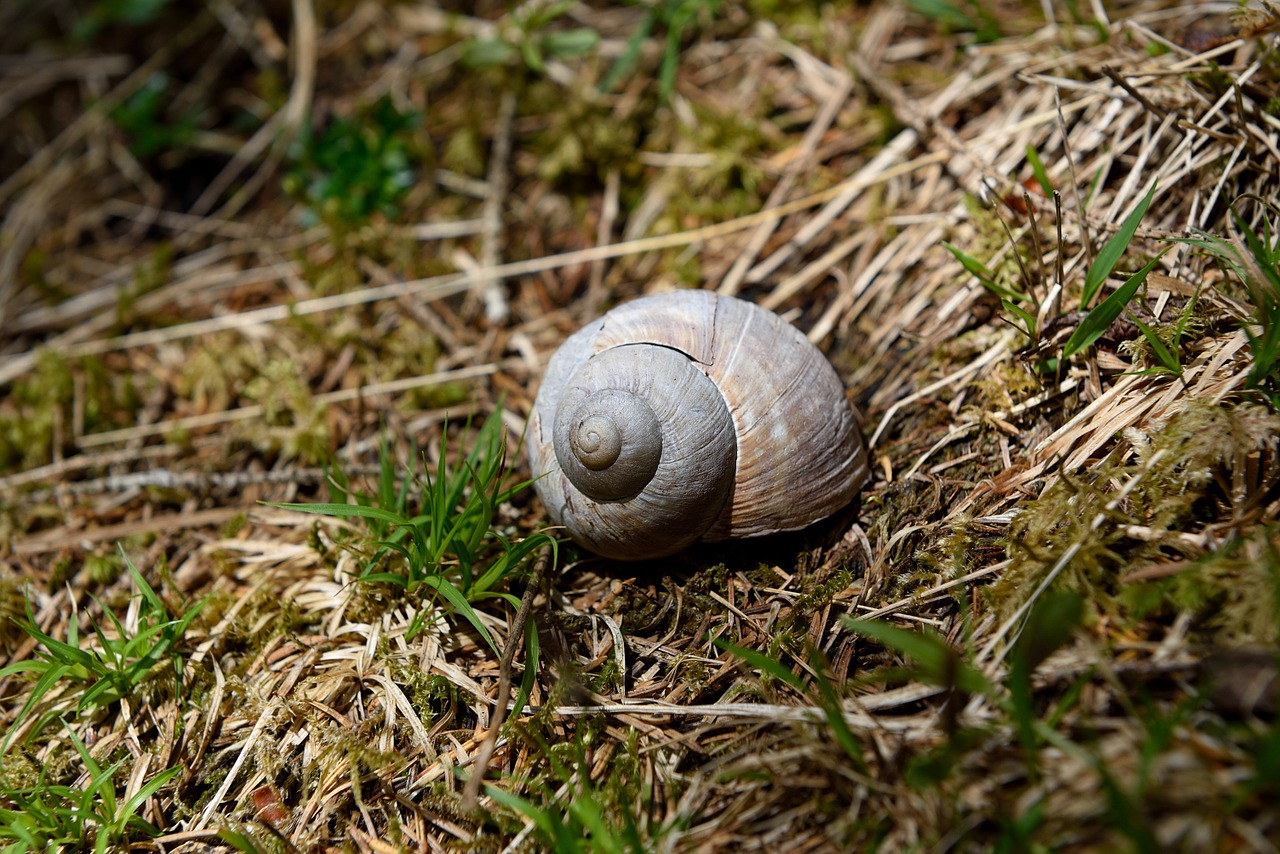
{"x": 1128, "y": 517}
{"x": 732, "y": 184}
{"x": 59, "y": 396}
{"x": 293, "y": 423}
{"x": 584, "y": 138}
{"x": 104, "y": 569}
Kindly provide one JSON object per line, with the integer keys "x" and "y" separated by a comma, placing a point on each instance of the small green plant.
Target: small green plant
{"x": 1099, "y": 320}
{"x": 522, "y": 36}
{"x": 1254, "y": 259}
{"x": 1167, "y": 354}
{"x": 1101, "y": 316}
{"x": 100, "y": 673}
{"x": 572, "y": 813}
{"x": 1053, "y": 620}
{"x": 434, "y": 533}
{"x": 1011, "y": 300}
{"x": 46, "y": 816}
{"x": 674, "y": 17}
{"x": 106, "y": 13}
{"x": 141, "y": 117}
{"x": 1025, "y": 307}
{"x": 1051, "y": 625}
{"x": 963, "y": 17}
{"x": 1112, "y": 251}
{"x": 357, "y": 167}
{"x": 1039, "y": 171}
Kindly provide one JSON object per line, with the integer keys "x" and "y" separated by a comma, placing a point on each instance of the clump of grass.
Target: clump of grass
{"x": 1254, "y": 260}
{"x": 80, "y": 675}
{"x": 432, "y": 533}
{"x": 47, "y": 816}
{"x": 1024, "y": 307}
{"x": 525, "y": 35}
{"x": 51, "y": 798}
{"x": 569, "y": 811}
{"x": 356, "y": 167}
{"x": 675, "y": 18}
{"x": 1102, "y": 315}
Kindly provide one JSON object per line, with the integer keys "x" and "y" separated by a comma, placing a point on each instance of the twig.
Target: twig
{"x": 472, "y": 790}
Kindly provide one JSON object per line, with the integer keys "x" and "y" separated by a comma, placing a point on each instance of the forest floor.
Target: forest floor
{"x": 258, "y": 253}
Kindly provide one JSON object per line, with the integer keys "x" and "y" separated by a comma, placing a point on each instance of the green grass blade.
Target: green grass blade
{"x": 531, "y": 652}
{"x": 1168, "y": 361}
{"x": 1028, "y": 319}
{"x": 763, "y": 663}
{"x": 1104, "y": 314}
{"x": 586, "y": 809}
{"x": 128, "y": 811}
{"x": 630, "y": 53}
{"x": 540, "y": 817}
{"x": 344, "y": 511}
{"x": 936, "y": 661}
{"x": 47, "y": 681}
{"x": 461, "y": 605}
{"x": 1037, "y": 169}
{"x": 1112, "y": 251}
{"x": 833, "y": 708}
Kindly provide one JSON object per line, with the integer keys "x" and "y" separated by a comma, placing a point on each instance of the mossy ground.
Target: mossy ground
{"x": 245, "y": 243}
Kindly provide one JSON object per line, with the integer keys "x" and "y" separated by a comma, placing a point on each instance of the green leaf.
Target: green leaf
{"x": 1028, "y": 320}
{"x": 239, "y": 840}
{"x": 1052, "y": 623}
{"x": 461, "y": 605}
{"x": 344, "y": 511}
{"x": 130, "y": 808}
{"x": 945, "y": 14}
{"x": 973, "y": 265}
{"x": 1112, "y": 251}
{"x": 983, "y": 274}
{"x": 487, "y": 53}
{"x": 532, "y": 649}
{"x": 1104, "y": 314}
{"x": 1168, "y": 361}
{"x": 833, "y": 709}
{"x": 630, "y": 55}
{"x": 566, "y": 44}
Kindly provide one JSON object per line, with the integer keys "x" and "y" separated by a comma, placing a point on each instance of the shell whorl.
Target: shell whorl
{"x": 610, "y": 445}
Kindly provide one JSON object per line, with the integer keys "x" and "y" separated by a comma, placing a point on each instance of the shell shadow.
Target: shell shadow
{"x": 779, "y": 549}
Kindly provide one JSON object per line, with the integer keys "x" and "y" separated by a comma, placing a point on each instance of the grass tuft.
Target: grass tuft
{"x": 432, "y": 533}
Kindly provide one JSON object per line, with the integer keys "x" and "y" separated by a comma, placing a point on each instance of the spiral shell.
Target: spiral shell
{"x": 690, "y": 416}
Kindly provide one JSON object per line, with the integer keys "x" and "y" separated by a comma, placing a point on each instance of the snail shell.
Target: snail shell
{"x": 690, "y": 416}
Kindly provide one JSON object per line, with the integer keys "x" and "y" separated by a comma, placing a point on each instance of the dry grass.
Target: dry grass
{"x": 185, "y": 334}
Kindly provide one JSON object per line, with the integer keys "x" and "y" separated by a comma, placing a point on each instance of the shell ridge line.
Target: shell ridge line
{"x": 731, "y": 363}
{"x": 673, "y": 348}
{"x": 715, "y": 324}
